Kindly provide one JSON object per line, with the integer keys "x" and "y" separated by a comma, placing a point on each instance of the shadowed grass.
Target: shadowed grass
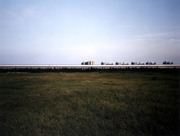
{"x": 70, "y": 104}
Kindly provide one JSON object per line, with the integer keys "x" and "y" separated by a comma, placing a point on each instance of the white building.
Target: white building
{"x": 88, "y": 63}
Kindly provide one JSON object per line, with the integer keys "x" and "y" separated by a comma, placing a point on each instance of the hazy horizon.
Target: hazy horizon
{"x": 69, "y": 32}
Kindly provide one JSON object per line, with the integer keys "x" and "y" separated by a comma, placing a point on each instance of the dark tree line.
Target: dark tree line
{"x": 111, "y": 69}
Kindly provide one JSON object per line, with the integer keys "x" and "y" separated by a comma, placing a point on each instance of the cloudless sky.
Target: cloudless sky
{"x": 72, "y": 31}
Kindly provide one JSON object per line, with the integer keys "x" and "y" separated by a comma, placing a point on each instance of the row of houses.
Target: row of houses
{"x": 119, "y": 63}
{"x": 167, "y": 62}
{"x": 147, "y": 63}
{"x": 105, "y": 63}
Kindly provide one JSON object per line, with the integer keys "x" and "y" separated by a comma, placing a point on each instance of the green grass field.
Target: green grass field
{"x": 89, "y": 104}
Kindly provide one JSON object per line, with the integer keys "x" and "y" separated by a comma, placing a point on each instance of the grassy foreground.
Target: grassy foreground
{"x": 89, "y": 104}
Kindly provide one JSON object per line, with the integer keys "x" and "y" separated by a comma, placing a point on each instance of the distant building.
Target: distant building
{"x": 118, "y": 63}
{"x": 133, "y": 63}
{"x": 103, "y": 63}
{"x": 150, "y": 63}
{"x": 83, "y": 63}
{"x": 109, "y": 64}
{"x": 167, "y": 62}
{"x": 140, "y": 63}
{"x": 88, "y": 63}
{"x": 92, "y": 63}
{"x": 125, "y": 63}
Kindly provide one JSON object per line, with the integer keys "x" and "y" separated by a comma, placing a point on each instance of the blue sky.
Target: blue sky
{"x": 72, "y": 31}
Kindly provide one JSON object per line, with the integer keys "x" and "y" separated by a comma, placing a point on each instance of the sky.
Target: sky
{"x": 72, "y": 31}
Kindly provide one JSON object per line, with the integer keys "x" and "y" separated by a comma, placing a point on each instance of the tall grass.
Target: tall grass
{"x": 101, "y": 104}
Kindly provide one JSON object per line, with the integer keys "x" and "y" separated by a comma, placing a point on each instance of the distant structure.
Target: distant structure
{"x": 150, "y": 63}
{"x": 133, "y": 63}
{"x": 105, "y": 63}
{"x": 125, "y": 63}
{"x": 88, "y": 63}
{"x": 109, "y": 64}
{"x": 140, "y": 63}
{"x": 118, "y": 63}
{"x": 167, "y": 62}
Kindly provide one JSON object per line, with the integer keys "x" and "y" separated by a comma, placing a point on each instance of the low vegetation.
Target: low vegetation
{"x": 89, "y": 104}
